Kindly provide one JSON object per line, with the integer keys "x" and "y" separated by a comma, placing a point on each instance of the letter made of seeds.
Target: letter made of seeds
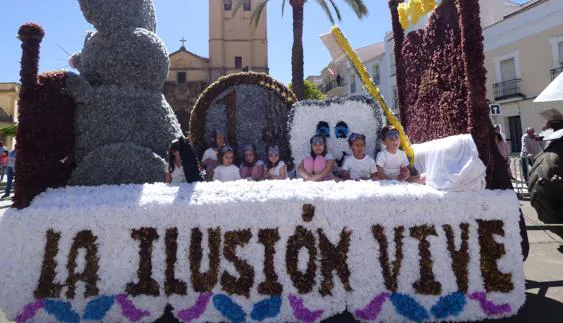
{"x": 46, "y": 287}
{"x": 427, "y": 283}
{"x": 243, "y": 284}
{"x": 390, "y": 271}
{"x": 84, "y": 239}
{"x": 334, "y": 258}
{"x": 271, "y": 286}
{"x": 172, "y": 285}
{"x": 460, "y": 258}
{"x": 204, "y": 282}
{"x": 146, "y": 285}
{"x": 491, "y": 251}
{"x": 302, "y": 238}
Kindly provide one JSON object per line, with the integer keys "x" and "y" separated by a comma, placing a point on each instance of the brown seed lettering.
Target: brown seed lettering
{"x": 271, "y": 286}
{"x": 243, "y": 284}
{"x": 204, "y": 282}
{"x": 47, "y": 288}
{"x": 146, "y": 285}
{"x": 491, "y": 251}
{"x": 460, "y": 258}
{"x": 426, "y": 284}
{"x": 302, "y": 238}
{"x": 172, "y": 285}
{"x": 389, "y": 275}
{"x": 334, "y": 258}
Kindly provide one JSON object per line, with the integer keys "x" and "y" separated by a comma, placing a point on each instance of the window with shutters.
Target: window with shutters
{"x": 508, "y": 69}
{"x": 352, "y": 83}
{"x": 375, "y": 74}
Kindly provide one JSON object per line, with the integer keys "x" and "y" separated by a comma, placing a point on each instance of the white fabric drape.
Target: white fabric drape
{"x": 451, "y": 163}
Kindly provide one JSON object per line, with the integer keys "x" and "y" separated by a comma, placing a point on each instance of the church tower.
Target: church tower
{"x": 235, "y": 44}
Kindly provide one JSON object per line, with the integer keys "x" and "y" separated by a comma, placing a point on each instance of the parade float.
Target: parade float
{"x": 93, "y": 237}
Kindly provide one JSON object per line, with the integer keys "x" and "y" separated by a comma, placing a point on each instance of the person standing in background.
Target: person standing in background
{"x": 531, "y": 147}
{"x": 10, "y": 172}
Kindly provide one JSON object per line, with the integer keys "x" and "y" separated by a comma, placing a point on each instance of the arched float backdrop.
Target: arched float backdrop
{"x": 266, "y": 102}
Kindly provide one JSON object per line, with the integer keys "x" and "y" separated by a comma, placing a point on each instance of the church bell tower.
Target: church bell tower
{"x": 234, "y": 44}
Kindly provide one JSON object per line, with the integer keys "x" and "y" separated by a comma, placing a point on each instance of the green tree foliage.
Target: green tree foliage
{"x": 9, "y": 131}
{"x": 311, "y": 91}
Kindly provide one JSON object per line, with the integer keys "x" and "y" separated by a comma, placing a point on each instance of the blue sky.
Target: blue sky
{"x": 66, "y": 27}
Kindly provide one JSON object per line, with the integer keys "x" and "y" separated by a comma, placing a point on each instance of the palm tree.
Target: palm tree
{"x": 358, "y": 6}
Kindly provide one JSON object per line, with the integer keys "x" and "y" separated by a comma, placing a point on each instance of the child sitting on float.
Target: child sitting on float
{"x": 210, "y": 157}
{"x": 251, "y": 167}
{"x": 359, "y": 166}
{"x": 226, "y": 170}
{"x": 392, "y": 163}
{"x": 318, "y": 166}
{"x": 276, "y": 168}
{"x": 175, "y": 172}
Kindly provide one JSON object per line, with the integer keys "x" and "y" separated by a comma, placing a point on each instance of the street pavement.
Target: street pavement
{"x": 543, "y": 269}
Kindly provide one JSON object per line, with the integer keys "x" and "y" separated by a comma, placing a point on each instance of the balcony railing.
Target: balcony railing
{"x": 508, "y": 89}
{"x": 554, "y": 72}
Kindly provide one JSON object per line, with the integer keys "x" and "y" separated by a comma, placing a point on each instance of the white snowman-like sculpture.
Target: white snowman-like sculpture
{"x": 123, "y": 124}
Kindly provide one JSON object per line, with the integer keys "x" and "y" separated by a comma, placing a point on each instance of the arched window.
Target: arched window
{"x": 227, "y": 5}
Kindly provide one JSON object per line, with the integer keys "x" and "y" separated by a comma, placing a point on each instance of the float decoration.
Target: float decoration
{"x": 441, "y": 81}
{"x": 411, "y": 11}
{"x": 117, "y": 100}
{"x": 115, "y": 253}
{"x": 45, "y": 133}
{"x": 338, "y": 117}
{"x": 248, "y": 107}
{"x": 373, "y": 90}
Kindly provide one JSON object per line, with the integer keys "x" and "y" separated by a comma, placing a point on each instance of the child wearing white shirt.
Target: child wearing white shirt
{"x": 226, "y": 171}
{"x": 359, "y": 166}
{"x": 210, "y": 157}
{"x": 392, "y": 163}
{"x": 276, "y": 168}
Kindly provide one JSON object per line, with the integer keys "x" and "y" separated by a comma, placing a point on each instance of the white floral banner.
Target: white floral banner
{"x": 267, "y": 251}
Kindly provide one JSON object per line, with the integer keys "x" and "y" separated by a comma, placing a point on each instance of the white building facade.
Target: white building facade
{"x": 523, "y": 54}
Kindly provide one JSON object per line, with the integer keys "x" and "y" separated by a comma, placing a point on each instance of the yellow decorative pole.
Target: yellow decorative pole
{"x": 373, "y": 90}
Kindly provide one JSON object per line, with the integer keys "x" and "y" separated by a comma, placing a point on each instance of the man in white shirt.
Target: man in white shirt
{"x": 358, "y": 166}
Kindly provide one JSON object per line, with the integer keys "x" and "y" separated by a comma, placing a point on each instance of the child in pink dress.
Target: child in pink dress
{"x": 318, "y": 166}
{"x": 251, "y": 168}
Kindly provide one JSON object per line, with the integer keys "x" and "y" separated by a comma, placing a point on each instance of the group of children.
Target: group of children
{"x": 218, "y": 161}
{"x": 390, "y": 163}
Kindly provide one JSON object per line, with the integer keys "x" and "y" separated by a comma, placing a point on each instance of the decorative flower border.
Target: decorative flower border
{"x": 446, "y": 307}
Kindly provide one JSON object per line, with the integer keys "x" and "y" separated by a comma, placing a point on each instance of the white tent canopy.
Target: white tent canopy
{"x": 549, "y": 104}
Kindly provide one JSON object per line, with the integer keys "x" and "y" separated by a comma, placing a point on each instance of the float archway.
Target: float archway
{"x": 248, "y": 107}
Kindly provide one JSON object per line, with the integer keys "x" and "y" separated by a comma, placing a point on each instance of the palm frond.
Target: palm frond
{"x": 326, "y": 9}
{"x": 257, "y": 13}
{"x": 358, "y": 6}
{"x": 283, "y": 6}
{"x": 336, "y": 10}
